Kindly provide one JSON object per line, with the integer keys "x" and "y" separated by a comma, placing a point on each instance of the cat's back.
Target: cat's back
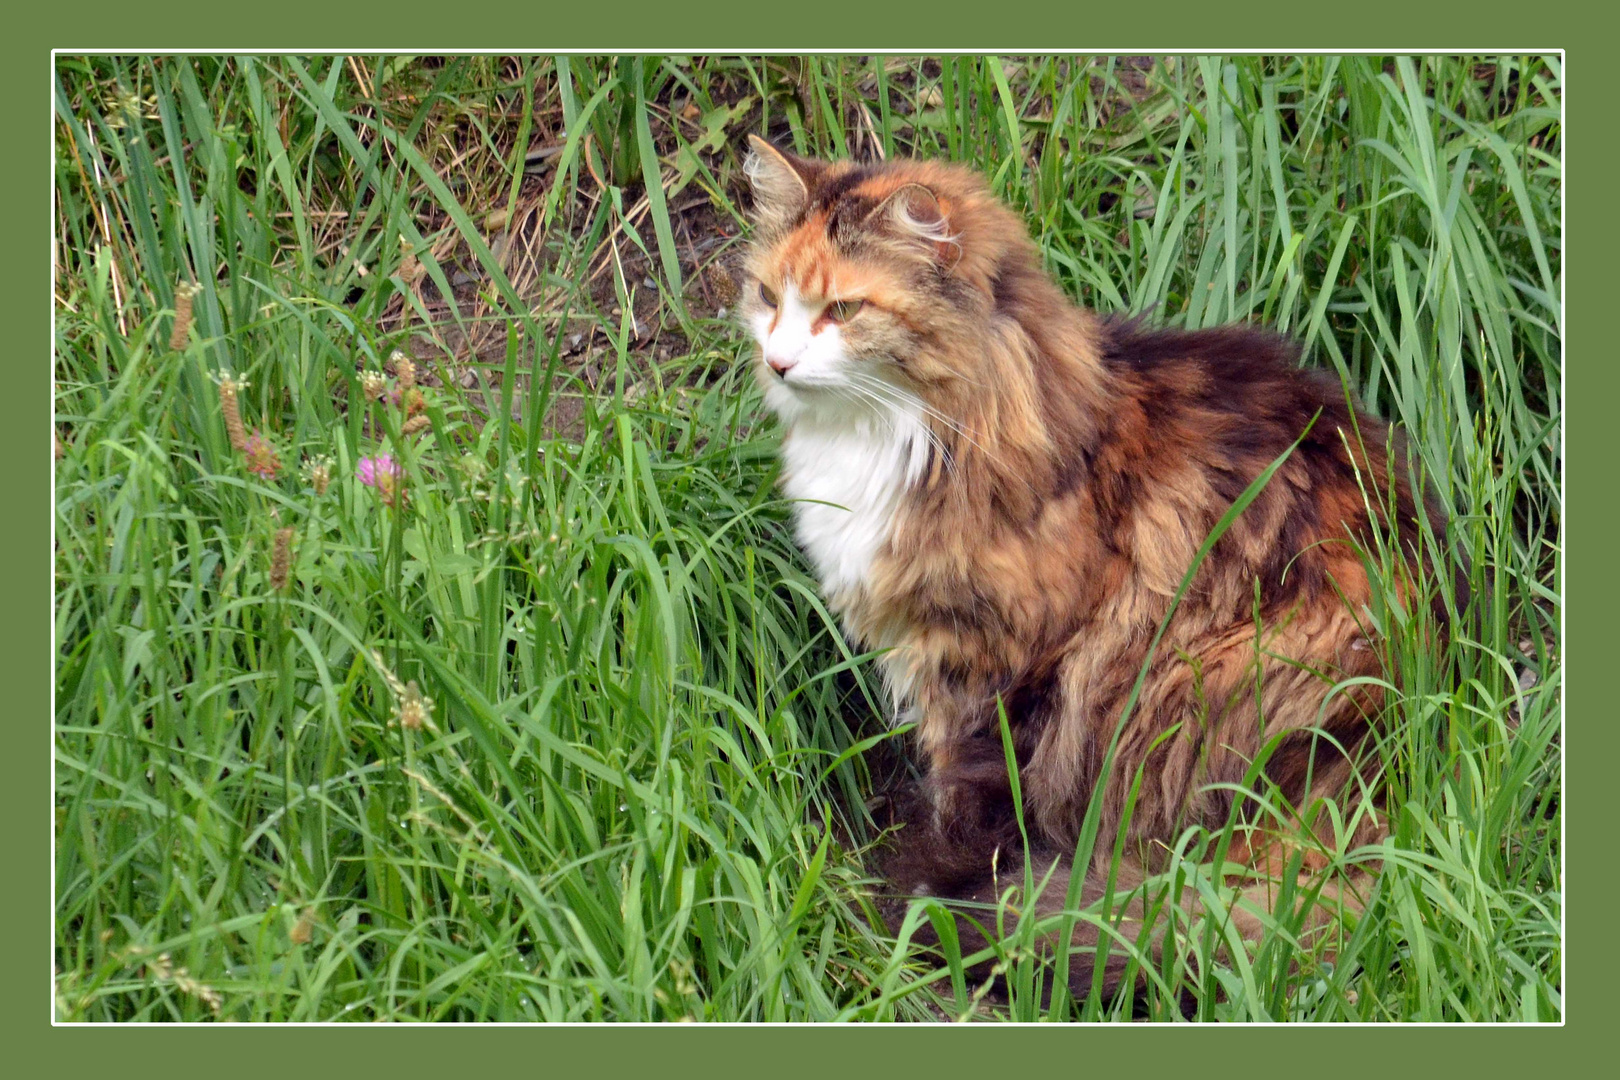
{"x": 1236, "y": 380}
{"x": 1198, "y": 415}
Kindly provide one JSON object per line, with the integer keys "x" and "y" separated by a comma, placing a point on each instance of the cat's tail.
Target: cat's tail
{"x": 988, "y": 903}
{"x": 1121, "y": 921}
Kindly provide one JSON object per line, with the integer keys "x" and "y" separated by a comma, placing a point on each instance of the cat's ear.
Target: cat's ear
{"x": 781, "y": 180}
{"x": 914, "y": 211}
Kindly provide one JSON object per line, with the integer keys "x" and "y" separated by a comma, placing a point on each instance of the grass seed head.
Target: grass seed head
{"x": 229, "y": 387}
{"x": 162, "y": 969}
{"x": 395, "y": 687}
{"x": 121, "y": 106}
{"x": 318, "y": 472}
{"x": 183, "y": 295}
{"x": 372, "y": 384}
{"x": 281, "y": 558}
{"x": 408, "y": 398}
{"x": 404, "y": 371}
{"x": 415, "y": 709}
{"x": 304, "y": 929}
{"x": 410, "y": 268}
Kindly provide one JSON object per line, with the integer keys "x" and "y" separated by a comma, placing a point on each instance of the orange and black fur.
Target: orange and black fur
{"x": 1023, "y": 485}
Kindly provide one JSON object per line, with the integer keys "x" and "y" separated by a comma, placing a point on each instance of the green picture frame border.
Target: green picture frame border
{"x": 730, "y": 26}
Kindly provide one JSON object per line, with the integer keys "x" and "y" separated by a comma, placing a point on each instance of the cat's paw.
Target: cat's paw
{"x": 960, "y": 808}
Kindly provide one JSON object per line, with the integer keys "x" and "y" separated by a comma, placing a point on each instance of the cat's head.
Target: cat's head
{"x": 864, "y": 279}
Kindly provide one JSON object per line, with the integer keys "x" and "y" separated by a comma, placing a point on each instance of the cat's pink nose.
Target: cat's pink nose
{"x": 779, "y": 365}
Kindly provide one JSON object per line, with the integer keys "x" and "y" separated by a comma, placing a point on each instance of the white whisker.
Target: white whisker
{"x": 908, "y": 399}
{"x": 904, "y": 397}
{"x": 896, "y": 401}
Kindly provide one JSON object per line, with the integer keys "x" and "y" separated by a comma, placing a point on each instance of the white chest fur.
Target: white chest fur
{"x": 851, "y": 473}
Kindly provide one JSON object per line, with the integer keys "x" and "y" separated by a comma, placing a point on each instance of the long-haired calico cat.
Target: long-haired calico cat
{"x": 1004, "y": 491}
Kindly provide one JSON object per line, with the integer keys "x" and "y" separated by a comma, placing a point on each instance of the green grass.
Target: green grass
{"x": 643, "y": 791}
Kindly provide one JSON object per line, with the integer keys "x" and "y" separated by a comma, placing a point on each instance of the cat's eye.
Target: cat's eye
{"x": 768, "y": 294}
{"x": 843, "y": 310}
